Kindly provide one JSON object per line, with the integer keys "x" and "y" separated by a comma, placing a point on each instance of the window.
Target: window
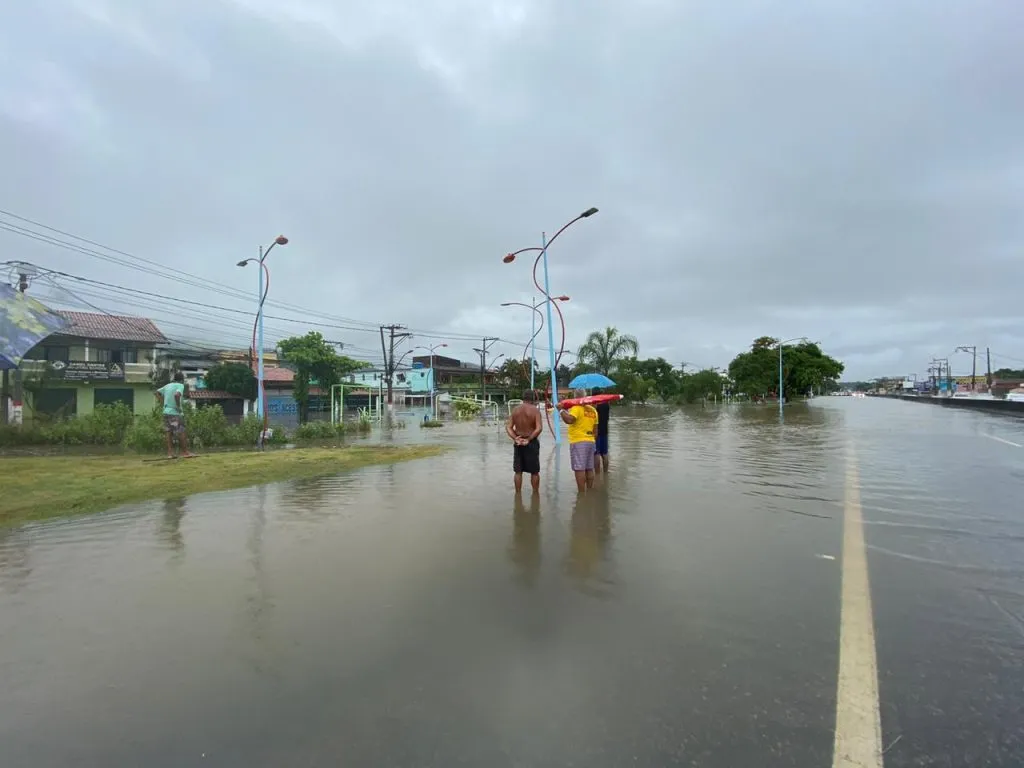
{"x": 56, "y": 402}
{"x": 122, "y": 355}
{"x": 56, "y": 353}
{"x": 105, "y": 396}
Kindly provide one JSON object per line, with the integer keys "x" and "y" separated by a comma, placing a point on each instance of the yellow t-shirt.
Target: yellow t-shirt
{"x": 583, "y": 429}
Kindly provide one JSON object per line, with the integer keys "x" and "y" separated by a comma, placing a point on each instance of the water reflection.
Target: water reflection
{"x": 590, "y": 531}
{"x": 15, "y": 568}
{"x": 308, "y": 494}
{"x": 524, "y": 549}
{"x": 170, "y": 525}
{"x": 257, "y": 599}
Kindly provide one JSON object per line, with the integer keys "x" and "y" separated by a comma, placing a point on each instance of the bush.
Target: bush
{"x": 431, "y": 424}
{"x": 11, "y": 436}
{"x": 207, "y": 426}
{"x": 116, "y": 425}
{"x": 146, "y": 434}
{"x": 319, "y": 430}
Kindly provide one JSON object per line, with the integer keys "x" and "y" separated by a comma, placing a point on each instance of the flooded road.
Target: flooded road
{"x": 696, "y": 609}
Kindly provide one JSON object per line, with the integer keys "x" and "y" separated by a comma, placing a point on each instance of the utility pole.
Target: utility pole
{"x": 487, "y": 342}
{"x": 988, "y": 368}
{"x": 23, "y": 277}
{"x": 974, "y": 364}
{"x": 395, "y": 333}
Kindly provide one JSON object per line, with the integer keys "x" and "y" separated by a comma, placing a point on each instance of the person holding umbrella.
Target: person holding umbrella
{"x": 595, "y": 382}
{"x": 582, "y": 421}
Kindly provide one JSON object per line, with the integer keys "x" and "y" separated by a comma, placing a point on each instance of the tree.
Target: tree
{"x": 315, "y": 360}
{"x": 1008, "y": 373}
{"x": 604, "y": 351}
{"x": 236, "y": 378}
{"x": 703, "y": 384}
{"x": 515, "y": 375}
{"x": 804, "y": 367}
{"x": 632, "y": 386}
{"x": 658, "y": 372}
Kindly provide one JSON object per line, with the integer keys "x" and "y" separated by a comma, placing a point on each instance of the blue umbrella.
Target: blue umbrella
{"x": 24, "y": 322}
{"x": 591, "y": 380}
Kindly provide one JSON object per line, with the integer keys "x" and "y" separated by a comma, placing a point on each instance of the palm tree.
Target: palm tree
{"x": 604, "y": 350}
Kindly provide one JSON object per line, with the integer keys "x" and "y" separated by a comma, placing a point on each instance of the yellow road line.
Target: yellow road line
{"x": 858, "y": 735}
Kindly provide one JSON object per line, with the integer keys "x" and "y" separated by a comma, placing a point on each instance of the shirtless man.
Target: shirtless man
{"x": 523, "y": 427}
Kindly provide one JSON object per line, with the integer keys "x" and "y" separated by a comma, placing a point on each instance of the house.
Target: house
{"x": 98, "y": 359}
{"x": 451, "y": 373}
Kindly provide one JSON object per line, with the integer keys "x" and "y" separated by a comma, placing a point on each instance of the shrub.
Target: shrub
{"x": 146, "y": 434}
{"x": 431, "y": 424}
{"x": 206, "y": 426}
{"x": 319, "y": 430}
{"x": 117, "y": 425}
{"x": 107, "y": 424}
{"x": 11, "y": 435}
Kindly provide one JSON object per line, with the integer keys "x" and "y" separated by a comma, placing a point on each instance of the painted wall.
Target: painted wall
{"x": 415, "y": 381}
{"x": 85, "y": 394}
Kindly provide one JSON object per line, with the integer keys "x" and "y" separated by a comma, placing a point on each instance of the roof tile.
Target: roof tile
{"x": 91, "y": 325}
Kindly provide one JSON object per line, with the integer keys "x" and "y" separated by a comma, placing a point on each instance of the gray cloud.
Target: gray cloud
{"x": 848, "y": 173}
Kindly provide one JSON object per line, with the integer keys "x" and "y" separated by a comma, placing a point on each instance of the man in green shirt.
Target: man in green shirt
{"x": 170, "y": 396}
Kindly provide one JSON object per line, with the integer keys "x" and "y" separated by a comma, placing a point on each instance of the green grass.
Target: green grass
{"x": 62, "y": 486}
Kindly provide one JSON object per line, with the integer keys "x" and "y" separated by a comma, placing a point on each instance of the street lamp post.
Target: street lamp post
{"x": 546, "y": 290}
{"x": 262, "y": 297}
{"x": 533, "y": 337}
{"x": 781, "y": 345}
{"x": 433, "y": 384}
{"x": 531, "y": 347}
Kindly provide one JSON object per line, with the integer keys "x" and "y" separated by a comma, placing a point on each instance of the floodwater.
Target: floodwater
{"x": 688, "y": 611}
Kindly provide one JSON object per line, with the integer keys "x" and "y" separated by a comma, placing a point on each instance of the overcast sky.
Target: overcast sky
{"x": 852, "y": 172}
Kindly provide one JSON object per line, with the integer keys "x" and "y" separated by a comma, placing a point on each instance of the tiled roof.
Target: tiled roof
{"x": 278, "y": 374}
{"x": 91, "y": 325}
{"x": 211, "y": 394}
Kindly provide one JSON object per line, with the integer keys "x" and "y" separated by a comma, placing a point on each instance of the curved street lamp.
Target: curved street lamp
{"x": 543, "y": 255}
{"x": 433, "y": 381}
{"x": 258, "y": 326}
{"x": 535, "y": 329}
{"x": 781, "y": 344}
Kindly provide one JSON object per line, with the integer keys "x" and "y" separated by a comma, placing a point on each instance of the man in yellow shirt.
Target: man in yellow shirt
{"x": 582, "y": 421}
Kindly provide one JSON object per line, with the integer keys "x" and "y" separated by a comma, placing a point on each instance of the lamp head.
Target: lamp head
{"x": 562, "y": 298}
{"x": 282, "y": 240}
{"x": 242, "y": 263}
{"x": 588, "y": 213}
{"x": 506, "y": 303}
{"x": 509, "y": 258}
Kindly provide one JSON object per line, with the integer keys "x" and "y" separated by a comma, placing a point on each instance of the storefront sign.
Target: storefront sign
{"x": 79, "y": 371}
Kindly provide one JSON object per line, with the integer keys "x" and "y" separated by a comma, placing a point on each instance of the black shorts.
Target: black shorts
{"x": 526, "y": 458}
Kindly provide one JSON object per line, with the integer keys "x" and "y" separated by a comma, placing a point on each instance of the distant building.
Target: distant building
{"x": 99, "y": 359}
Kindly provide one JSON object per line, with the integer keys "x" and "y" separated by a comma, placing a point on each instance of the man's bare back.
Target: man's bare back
{"x": 523, "y": 427}
{"x": 525, "y": 420}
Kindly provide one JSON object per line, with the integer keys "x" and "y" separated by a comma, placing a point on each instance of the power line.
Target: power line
{"x": 206, "y": 305}
{"x": 157, "y": 269}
